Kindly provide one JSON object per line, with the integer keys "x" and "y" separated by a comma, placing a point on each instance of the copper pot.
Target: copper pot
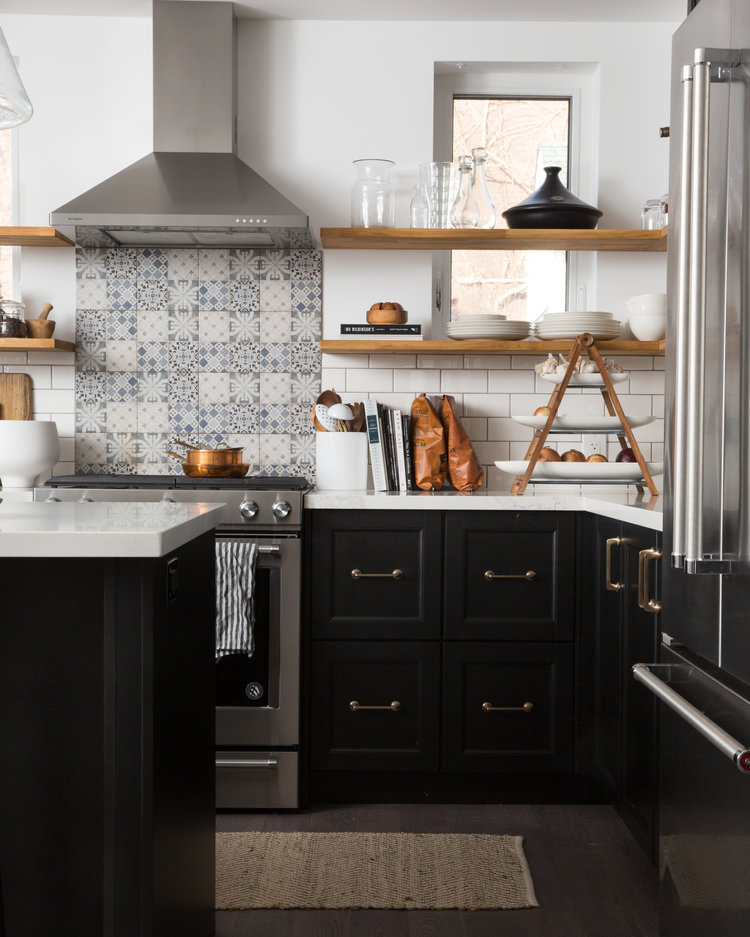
{"x": 220, "y": 457}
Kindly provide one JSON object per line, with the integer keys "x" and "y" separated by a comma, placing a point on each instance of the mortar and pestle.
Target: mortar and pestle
{"x": 41, "y": 327}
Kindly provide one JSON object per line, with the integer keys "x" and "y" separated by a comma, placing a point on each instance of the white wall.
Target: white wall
{"x": 313, "y": 97}
{"x": 316, "y": 95}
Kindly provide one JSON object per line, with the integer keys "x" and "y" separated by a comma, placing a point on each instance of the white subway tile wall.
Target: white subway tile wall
{"x": 490, "y": 389}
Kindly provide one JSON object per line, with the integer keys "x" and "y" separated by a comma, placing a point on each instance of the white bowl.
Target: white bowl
{"x": 27, "y": 448}
{"x": 648, "y": 328}
{"x": 653, "y": 304}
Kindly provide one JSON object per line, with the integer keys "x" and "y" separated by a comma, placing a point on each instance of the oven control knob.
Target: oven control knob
{"x": 53, "y": 498}
{"x": 281, "y": 509}
{"x": 249, "y": 509}
{"x": 84, "y": 499}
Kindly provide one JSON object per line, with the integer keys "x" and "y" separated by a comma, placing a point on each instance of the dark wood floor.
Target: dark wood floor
{"x": 591, "y": 878}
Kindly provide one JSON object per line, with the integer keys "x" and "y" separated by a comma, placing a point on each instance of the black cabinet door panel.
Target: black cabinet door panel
{"x": 534, "y": 549}
{"x": 376, "y": 705}
{"x": 508, "y": 706}
{"x": 376, "y": 574}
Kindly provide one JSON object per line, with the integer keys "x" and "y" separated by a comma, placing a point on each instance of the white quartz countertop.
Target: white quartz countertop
{"x": 645, "y": 511}
{"x": 125, "y": 529}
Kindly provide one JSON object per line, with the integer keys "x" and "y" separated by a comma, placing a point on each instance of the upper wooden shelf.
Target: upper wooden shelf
{"x": 35, "y": 344}
{"x": 483, "y": 347}
{"x": 33, "y": 237}
{"x": 509, "y": 239}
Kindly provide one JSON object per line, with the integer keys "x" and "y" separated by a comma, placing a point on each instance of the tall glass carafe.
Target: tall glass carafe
{"x": 485, "y": 204}
{"x": 465, "y": 211}
{"x": 373, "y": 194}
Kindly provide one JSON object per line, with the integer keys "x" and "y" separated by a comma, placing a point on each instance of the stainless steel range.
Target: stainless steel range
{"x": 257, "y": 697}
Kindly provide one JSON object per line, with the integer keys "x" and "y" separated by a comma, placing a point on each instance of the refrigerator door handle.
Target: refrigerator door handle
{"x": 726, "y": 743}
{"x": 679, "y": 460}
{"x": 696, "y": 320}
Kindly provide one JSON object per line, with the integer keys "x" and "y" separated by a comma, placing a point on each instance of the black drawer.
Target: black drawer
{"x": 375, "y": 705}
{"x": 508, "y": 707}
{"x": 509, "y": 576}
{"x": 376, "y": 574}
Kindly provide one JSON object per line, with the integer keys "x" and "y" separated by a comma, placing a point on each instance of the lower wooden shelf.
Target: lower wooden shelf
{"x": 481, "y": 347}
{"x": 35, "y": 344}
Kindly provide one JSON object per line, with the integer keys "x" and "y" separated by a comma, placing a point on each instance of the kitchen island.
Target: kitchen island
{"x": 107, "y": 719}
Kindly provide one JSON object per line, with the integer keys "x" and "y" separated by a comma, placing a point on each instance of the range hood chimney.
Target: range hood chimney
{"x": 192, "y": 189}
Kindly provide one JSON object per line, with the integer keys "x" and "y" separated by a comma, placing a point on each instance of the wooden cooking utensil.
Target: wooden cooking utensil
{"x": 15, "y": 397}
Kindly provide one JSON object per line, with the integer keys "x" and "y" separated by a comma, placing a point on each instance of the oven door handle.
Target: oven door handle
{"x": 246, "y": 763}
{"x": 272, "y": 548}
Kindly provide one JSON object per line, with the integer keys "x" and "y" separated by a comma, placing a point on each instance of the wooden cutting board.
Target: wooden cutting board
{"x": 15, "y": 397}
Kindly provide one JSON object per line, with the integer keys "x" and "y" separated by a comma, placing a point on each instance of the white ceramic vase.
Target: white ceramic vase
{"x": 27, "y": 448}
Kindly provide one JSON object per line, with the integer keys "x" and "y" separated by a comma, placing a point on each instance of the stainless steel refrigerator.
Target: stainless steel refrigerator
{"x": 703, "y": 675}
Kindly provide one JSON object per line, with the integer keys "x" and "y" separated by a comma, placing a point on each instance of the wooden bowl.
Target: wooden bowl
{"x": 40, "y": 328}
{"x": 386, "y": 314}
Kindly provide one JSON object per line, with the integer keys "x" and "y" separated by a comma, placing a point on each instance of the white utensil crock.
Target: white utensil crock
{"x": 341, "y": 461}
{"x": 27, "y": 448}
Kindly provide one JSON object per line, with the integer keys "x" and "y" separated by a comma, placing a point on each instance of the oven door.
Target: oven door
{"x": 258, "y": 697}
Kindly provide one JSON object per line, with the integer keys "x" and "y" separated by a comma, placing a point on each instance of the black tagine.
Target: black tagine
{"x": 552, "y": 206}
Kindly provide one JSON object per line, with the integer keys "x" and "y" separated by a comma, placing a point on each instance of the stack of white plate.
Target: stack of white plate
{"x": 553, "y": 325}
{"x": 487, "y": 326}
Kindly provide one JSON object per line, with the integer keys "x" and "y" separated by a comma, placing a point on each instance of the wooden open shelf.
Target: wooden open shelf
{"x": 476, "y": 346}
{"x": 515, "y": 239}
{"x": 35, "y": 344}
{"x": 33, "y": 237}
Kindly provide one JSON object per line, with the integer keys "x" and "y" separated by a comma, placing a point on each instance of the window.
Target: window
{"x": 527, "y": 116}
{"x": 7, "y": 193}
{"x": 521, "y": 136}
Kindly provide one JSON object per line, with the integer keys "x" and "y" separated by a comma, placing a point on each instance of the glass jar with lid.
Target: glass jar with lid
{"x": 12, "y": 319}
{"x": 651, "y": 215}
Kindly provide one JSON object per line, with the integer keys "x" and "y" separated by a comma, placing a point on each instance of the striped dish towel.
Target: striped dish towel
{"x": 235, "y": 611}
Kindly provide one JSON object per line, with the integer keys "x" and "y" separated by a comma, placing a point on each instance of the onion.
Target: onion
{"x": 625, "y": 455}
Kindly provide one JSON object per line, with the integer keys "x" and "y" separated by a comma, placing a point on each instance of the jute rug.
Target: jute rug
{"x": 371, "y": 870}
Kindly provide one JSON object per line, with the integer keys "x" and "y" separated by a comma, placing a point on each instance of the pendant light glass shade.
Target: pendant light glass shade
{"x": 15, "y": 107}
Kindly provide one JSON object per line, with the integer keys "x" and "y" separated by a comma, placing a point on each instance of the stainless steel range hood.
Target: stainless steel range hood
{"x": 192, "y": 189}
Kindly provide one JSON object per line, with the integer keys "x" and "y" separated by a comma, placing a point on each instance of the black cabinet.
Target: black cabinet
{"x": 425, "y": 660}
{"x": 508, "y": 706}
{"x": 107, "y": 745}
{"x": 622, "y": 630}
{"x": 507, "y": 578}
{"x": 376, "y": 574}
{"x": 375, "y": 705}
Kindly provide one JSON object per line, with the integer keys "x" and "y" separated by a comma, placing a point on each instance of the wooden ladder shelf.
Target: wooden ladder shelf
{"x": 584, "y": 342}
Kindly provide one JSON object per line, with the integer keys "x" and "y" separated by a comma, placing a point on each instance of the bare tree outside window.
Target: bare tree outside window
{"x": 6, "y": 211}
{"x": 521, "y": 136}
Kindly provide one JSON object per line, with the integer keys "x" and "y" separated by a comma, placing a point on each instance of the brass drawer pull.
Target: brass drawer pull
{"x": 394, "y": 707}
{"x": 396, "y": 574}
{"x": 644, "y": 602}
{"x": 612, "y": 586}
{"x": 529, "y": 575}
{"x": 489, "y": 708}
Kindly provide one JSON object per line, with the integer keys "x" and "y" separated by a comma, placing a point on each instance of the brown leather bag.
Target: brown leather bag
{"x": 428, "y": 448}
{"x": 464, "y": 470}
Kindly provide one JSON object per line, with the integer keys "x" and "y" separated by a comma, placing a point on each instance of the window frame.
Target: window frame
{"x": 576, "y": 81}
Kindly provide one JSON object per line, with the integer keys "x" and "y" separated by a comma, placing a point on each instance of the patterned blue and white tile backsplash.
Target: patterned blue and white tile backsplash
{"x": 204, "y": 346}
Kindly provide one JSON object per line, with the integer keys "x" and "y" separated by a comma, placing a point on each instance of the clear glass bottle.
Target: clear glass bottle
{"x": 465, "y": 211}
{"x": 373, "y": 194}
{"x": 419, "y": 209}
{"x": 485, "y": 204}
